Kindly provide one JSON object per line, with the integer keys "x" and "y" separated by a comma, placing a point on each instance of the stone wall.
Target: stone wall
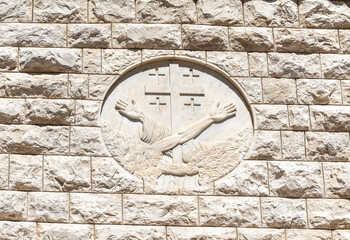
{"x": 59, "y": 57}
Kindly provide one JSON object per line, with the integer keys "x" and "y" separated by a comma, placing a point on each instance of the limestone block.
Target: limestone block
{"x": 8, "y": 59}
{"x": 258, "y": 64}
{"x": 29, "y": 139}
{"x": 87, "y": 112}
{"x": 279, "y": 90}
{"x": 252, "y": 88}
{"x": 199, "y": 55}
{"x": 248, "y": 179}
{"x": 294, "y": 65}
{"x": 50, "y": 60}
{"x": 129, "y": 232}
{"x": 189, "y": 233}
{"x": 168, "y": 11}
{"x": 109, "y": 177}
{"x": 31, "y": 85}
{"x": 111, "y": 11}
{"x": 344, "y": 38}
{"x": 92, "y": 60}
{"x": 15, "y": 11}
{"x": 296, "y": 234}
{"x": 252, "y": 39}
{"x": 78, "y": 86}
{"x": 89, "y": 35}
{"x": 50, "y": 112}
{"x": 65, "y": 231}
{"x": 329, "y": 213}
{"x": 17, "y": 230}
{"x": 200, "y": 37}
{"x": 319, "y": 91}
{"x": 293, "y": 145}
{"x": 60, "y": 11}
{"x": 267, "y": 145}
{"x": 26, "y": 172}
{"x": 48, "y": 207}
{"x": 295, "y": 179}
{"x": 32, "y": 35}
{"x": 160, "y": 210}
{"x": 260, "y": 234}
{"x": 299, "y": 117}
{"x": 335, "y": 66}
{"x": 148, "y": 54}
{"x": 271, "y": 13}
{"x": 95, "y": 208}
{"x": 341, "y": 234}
{"x": 346, "y": 91}
{"x": 158, "y": 36}
{"x": 12, "y": 110}
{"x": 322, "y": 146}
{"x": 99, "y": 84}
{"x": 13, "y": 205}
{"x": 324, "y": 14}
{"x": 283, "y": 213}
{"x": 330, "y": 118}
{"x": 271, "y": 117}
{"x": 67, "y": 174}
{"x": 234, "y": 63}
{"x": 306, "y": 40}
{"x": 227, "y": 12}
{"x": 4, "y": 165}
{"x": 117, "y": 60}
{"x": 337, "y": 179}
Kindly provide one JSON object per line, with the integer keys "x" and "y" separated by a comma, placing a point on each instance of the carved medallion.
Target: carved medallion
{"x": 176, "y": 124}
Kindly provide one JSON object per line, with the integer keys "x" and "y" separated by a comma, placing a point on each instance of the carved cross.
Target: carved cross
{"x": 158, "y": 103}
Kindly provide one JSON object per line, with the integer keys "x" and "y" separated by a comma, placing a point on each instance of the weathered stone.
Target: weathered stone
{"x": 295, "y": 179}
{"x": 228, "y": 12}
{"x": 15, "y": 11}
{"x": 213, "y": 211}
{"x": 258, "y": 64}
{"x": 335, "y": 66}
{"x": 92, "y": 60}
{"x": 322, "y": 146}
{"x": 188, "y": 233}
{"x": 111, "y": 11}
{"x": 319, "y": 91}
{"x": 248, "y": 179}
{"x": 168, "y": 11}
{"x": 159, "y": 36}
{"x": 50, "y": 112}
{"x": 234, "y": 63}
{"x": 296, "y": 234}
{"x": 199, "y": 55}
{"x": 337, "y": 180}
{"x": 13, "y": 206}
{"x": 344, "y": 38}
{"x": 78, "y": 86}
{"x": 306, "y": 40}
{"x": 68, "y": 174}
{"x": 48, "y": 207}
{"x": 299, "y": 117}
{"x": 18, "y": 230}
{"x": 341, "y": 234}
{"x": 129, "y": 232}
{"x": 329, "y": 213}
{"x": 99, "y": 84}
{"x": 160, "y": 210}
{"x": 60, "y": 11}
{"x": 95, "y": 208}
{"x": 87, "y": 113}
{"x": 4, "y": 166}
{"x": 65, "y": 231}
{"x": 26, "y": 139}
{"x": 12, "y": 110}
{"x": 283, "y": 213}
{"x": 8, "y": 59}
{"x": 116, "y": 61}
{"x": 50, "y": 60}
{"x": 260, "y": 234}
{"x": 293, "y": 145}
{"x": 330, "y": 118}
{"x": 279, "y": 91}
{"x": 89, "y": 35}
{"x": 26, "y": 172}
{"x": 267, "y": 145}
{"x": 251, "y": 39}
{"x": 252, "y": 88}
{"x": 346, "y": 91}
{"x": 271, "y": 13}
{"x": 294, "y": 65}
{"x": 271, "y": 117}
{"x": 148, "y": 54}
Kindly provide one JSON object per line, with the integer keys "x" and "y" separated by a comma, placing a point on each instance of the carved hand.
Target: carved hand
{"x": 130, "y": 110}
{"x": 219, "y": 113}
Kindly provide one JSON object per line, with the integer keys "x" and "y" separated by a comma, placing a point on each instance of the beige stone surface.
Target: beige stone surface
{"x": 296, "y": 234}
{"x": 149, "y": 54}
{"x": 89, "y": 35}
{"x": 111, "y": 11}
{"x": 13, "y": 206}
{"x": 293, "y": 145}
{"x": 8, "y": 59}
{"x": 4, "y": 165}
{"x": 87, "y": 112}
{"x": 335, "y": 66}
{"x": 323, "y": 118}
{"x": 344, "y": 38}
{"x": 130, "y": 232}
{"x": 65, "y": 231}
{"x": 16, "y": 11}
{"x": 99, "y": 84}
{"x": 252, "y": 39}
{"x": 12, "y": 110}
{"x": 198, "y": 55}
{"x": 234, "y": 63}
{"x": 267, "y": 145}
{"x": 17, "y": 230}
{"x": 346, "y": 91}
{"x": 299, "y": 118}
{"x": 116, "y": 61}
{"x": 341, "y": 234}
{"x": 279, "y": 90}
{"x": 189, "y": 233}
{"x": 337, "y": 179}
{"x": 92, "y": 60}
{"x": 252, "y": 88}
{"x": 258, "y": 64}
{"x": 78, "y": 86}
{"x": 260, "y": 234}
{"x": 271, "y": 117}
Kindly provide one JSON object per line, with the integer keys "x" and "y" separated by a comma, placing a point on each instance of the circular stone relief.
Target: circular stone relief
{"x": 176, "y": 124}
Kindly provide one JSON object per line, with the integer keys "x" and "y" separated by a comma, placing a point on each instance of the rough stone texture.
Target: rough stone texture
{"x": 251, "y": 39}
{"x": 89, "y": 35}
{"x": 306, "y": 40}
{"x": 271, "y": 117}
{"x": 92, "y": 60}
{"x": 341, "y": 234}
{"x": 186, "y": 233}
{"x": 335, "y": 66}
{"x": 267, "y": 145}
{"x": 283, "y": 213}
{"x": 160, "y": 210}
{"x": 200, "y": 37}
{"x": 260, "y": 234}
{"x": 244, "y": 212}
{"x": 78, "y": 86}
{"x": 166, "y": 11}
{"x": 26, "y": 172}
{"x": 294, "y": 65}
{"x": 116, "y": 61}
{"x": 130, "y": 232}
{"x": 13, "y": 206}
{"x": 322, "y": 146}
{"x": 149, "y": 54}
{"x": 271, "y": 13}
{"x": 96, "y": 208}
{"x": 87, "y": 112}
{"x": 65, "y": 231}
{"x": 279, "y": 90}
{"x": 299, "y": 117}
{"x": 252, "y": 88}
{"x": 48, "y": 207}
{"x": 12, "y": 110}
{"x": 68, "y": 174}
{"x": 296, "y": 234}
{"x": 346, "y": 92}
{"x": 330, "y": 118}
{"x": 293, "y": 145}
{"x": 295, "y": 179}
{"x": 199, "y": 55}
{"x": 4, "y": 165}
{"x": 15, "y": 11}
{"x": 17, "y": 230}
{"x": 99, "y": 84}
{"x": 50, "y": 60}
{"x": 344, "y": 38}
{"x": 337, "y": 179}
{"x": 235, "y": 64}
{"x": 8, "y": 59}
{"x": 111, "y": 11}
{"x": 258, "y": 64}
{"x": 329, "y": 213}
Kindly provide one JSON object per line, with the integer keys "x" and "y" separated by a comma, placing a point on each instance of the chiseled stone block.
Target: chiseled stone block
{"x": 252, "y": 88}
{"x": 267, "y": 145}
{"x": 4, "y": 165}
{"x": 279, "y": 90}
{"x": 335, "y": 66}
{"x": 65, "y": 231}
{"x": 293, "y": 145}
{"x": 283, "y": 213}
{"x": 111, "y": 11}
{"x": 258, "y": 64}
{"x": 129, "y": 232}
{"x": 8, "y": 59}
{"x": 160, "y": 210}
{"x": 117, "y": 60}
{"x": 297, "y": 234}
{"x": 13, "y": 206}
{"x": 299, "y": 118}
{"x": 341, "y": 234}
{"x": 330, "y": 118}
{"x": 188, "y": 233}
{"x": 260, "y": 234}
{"x": 214, "y": 211}
{"x": 234, "y": 63}
{"x": 346, "y": 91}
{"x": 99, "y": 85}
{"x": 89, "y": 35}
{"x": 198, "y": 55}
{"x": 337, "y": 179}
{"x": 92, "y": 60}
{"x": 16, "y": 11}
{"x": 87, "y": 112}
{"x": 149, "y": 54}
{"x": 12, "y": 110}
{"x": 78, "y": 86}
{"x": 252, "y": 39}
{"x": 344, "y": 38}
{"x": 271, "y": 117}
{"x": 18, "y": 230}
